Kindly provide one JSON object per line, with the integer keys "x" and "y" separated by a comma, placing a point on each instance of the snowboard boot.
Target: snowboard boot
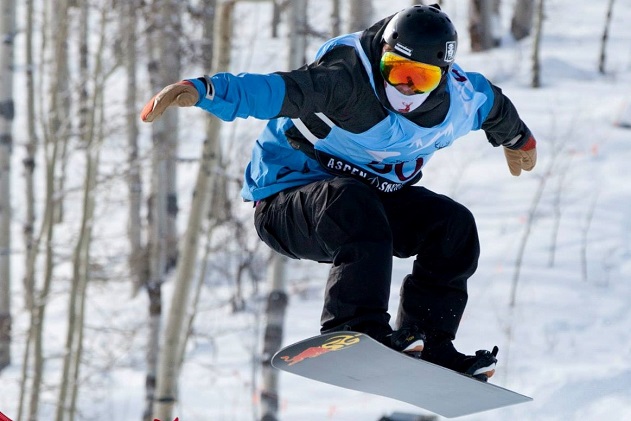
{"x": 408, "y": 340}
{"x": 440, "y": 350}
{"x": 481, "y": 366}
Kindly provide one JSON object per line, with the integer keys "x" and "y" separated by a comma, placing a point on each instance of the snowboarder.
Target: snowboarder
{"x": 334, "y": 174}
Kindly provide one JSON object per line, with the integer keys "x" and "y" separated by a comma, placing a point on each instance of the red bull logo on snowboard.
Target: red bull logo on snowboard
{"x": 332, "y": 344}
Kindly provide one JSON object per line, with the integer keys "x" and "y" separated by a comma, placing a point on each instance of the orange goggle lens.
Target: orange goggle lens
{"x": 420, "y": 77}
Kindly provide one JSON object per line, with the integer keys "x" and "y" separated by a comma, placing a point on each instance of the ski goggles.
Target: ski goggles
{"x": 420, "y": 77}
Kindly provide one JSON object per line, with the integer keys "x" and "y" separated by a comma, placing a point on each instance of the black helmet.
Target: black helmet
{"x": 423, "y": 33}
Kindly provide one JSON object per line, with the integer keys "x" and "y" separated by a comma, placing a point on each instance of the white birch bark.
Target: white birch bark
{"x": 483, "y": 17}
{"x": 536, "y": 64}
{"x": 164, "y": 69}
{"x": 91, "y": 132}
{"x": 55, "y": 29}
{"x": 7, "y": 34}
{"x": 277, "y": 299}
{"x": 29, "y": 161}
{"x": 603, "y": 43}
{"x": 29, "y": 218}
{"x": 298, "y": 37}
{"x": 137, "y": 256}
{"x": 521, "y": 22}
{"x": 336, "y": 20}
{"x": 175, "y": 331}
{"x": 170, "y": 72}
{"x": 55, "y": 130}
{"x": 360, "y": 14}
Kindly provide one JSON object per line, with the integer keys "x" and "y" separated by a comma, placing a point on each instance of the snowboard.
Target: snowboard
{"x": 355, "y": 361}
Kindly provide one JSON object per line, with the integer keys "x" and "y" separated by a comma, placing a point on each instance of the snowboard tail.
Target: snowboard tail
{"x": 355, "y": 361}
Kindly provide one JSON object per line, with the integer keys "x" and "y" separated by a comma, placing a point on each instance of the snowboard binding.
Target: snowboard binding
{"x": 483, "y": 366}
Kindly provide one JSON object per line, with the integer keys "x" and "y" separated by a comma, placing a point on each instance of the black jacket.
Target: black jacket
{"x": 337, "y": 85}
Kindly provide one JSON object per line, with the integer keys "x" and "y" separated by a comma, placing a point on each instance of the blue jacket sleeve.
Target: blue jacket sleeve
{"x": 229, "y": 96}
{"x": 481, "y": 84}
{"x": 498, "y": 117}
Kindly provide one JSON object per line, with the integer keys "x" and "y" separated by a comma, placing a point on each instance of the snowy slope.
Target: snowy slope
{"x": 566, "y": 340}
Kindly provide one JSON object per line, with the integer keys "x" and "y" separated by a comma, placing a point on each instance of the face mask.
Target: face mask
{"x": 404, "y": 103}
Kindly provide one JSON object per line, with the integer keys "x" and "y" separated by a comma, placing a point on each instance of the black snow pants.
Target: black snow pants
{"x": 357, "y": 229}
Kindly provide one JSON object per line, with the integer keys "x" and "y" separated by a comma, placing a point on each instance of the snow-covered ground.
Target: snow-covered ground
{"x": 566, "y": 339}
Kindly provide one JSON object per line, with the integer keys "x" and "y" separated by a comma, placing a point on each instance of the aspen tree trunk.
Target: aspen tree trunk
{"x": 605, "y": 37}
{"x": 212, "y": 130}
{"x": 62, "y": 111}
{"x": 45, "y": 236}
{"x": 277, "y": 299}
{"x": 56, "y": 132}
{"x": 90, "y": 129}
{"x": 536, "y": 64}
{"x": 39, "y": 307}
{"x": 214, "y": 61}
{"x": 53, "y": 129}
{"x": 82, "y": 251}
{"x": 298, "y": 38}
{"x": 74, "y": 298}
{"x": 521, "y": 23}
{"x": 7, "y": 33}
{"x": 156, "y": 242}
{"x": 159, "y": 225}
{"x": 336, "y": 20}
{"x": 171, "y": 355}
{"x": 170, "y": 72}
{"x": 29, "y": 160}
{"x": 137, "y": 256}
{"x": 276, "y": 16}
{"x": 361, "y": 12}
{"x": 60, "y": 120}
{"x": 29, "y": 219}
{"x": 483, "y": 14}
{"x": 213, "y": 154}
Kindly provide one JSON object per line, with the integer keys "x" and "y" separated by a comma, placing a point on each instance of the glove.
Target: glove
{"x": 523, "y": 158}
{"x": 182, "y": 94}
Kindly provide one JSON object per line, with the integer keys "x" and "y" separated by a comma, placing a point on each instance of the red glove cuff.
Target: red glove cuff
{"x": 530, "y": 144}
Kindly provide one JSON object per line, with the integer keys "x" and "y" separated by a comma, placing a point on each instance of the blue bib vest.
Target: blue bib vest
{"x": 387, "y": 156}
